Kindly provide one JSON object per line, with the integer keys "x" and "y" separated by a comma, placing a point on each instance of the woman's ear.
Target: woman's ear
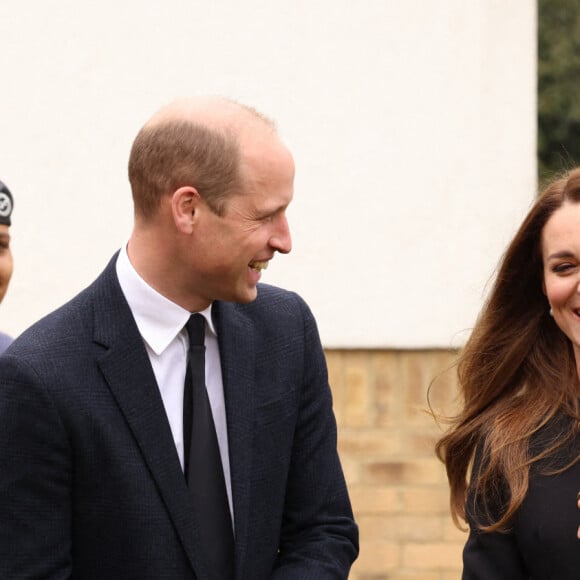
{"x": 184, "y": 204}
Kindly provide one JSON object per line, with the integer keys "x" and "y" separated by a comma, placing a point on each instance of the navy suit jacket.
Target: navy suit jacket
{"x": 90, "y": 482}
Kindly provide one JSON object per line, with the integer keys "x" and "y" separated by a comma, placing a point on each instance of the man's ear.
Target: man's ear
{"x": 185, "y": 202}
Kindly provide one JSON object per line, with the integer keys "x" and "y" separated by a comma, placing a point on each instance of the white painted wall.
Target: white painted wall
{"x": 412, "y": 125}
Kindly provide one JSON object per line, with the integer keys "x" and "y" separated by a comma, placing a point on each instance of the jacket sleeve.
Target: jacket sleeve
{"x": 319, "y": 538}
{"x": 489, "y": 555}
{"x": 492, "y": 556}
{"x": 35, "y": 477}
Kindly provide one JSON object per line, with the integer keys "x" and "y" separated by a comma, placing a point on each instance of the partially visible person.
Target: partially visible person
{"x": 6, "y": 265}
{"x": 519, "y": 428}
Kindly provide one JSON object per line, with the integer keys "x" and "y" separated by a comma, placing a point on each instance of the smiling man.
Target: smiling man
{"x": 6, "y": 264}
{"x": 174, "y": 420}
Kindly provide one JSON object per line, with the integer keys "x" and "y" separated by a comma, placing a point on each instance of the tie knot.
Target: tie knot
{"x": 196, "y": 330}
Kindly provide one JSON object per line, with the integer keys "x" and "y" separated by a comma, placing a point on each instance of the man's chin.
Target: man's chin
{"x": 245, "y": 297}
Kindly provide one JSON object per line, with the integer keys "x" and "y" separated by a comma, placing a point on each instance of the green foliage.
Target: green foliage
{"x": 558, "y": 86}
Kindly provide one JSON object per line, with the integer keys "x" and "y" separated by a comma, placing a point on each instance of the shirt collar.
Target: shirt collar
{"x": 158, "y": 319}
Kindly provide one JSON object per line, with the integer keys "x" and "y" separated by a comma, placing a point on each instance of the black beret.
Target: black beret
{"x": 6, "y": 205}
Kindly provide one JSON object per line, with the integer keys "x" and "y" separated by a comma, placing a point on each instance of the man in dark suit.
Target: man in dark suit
{"x": 99, "y": 446}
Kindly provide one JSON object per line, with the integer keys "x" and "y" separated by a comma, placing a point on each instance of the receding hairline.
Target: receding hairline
{"x": 215, "y": 113}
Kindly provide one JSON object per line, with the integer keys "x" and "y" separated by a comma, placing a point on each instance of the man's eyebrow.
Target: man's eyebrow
{"x": 270, "y": 211}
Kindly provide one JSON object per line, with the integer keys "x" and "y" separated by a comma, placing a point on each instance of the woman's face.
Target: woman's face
{"x": 5, "y": 260}
{"x": 561, "y": 261}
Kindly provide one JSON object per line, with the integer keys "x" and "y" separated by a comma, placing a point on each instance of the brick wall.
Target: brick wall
{"x": 398, "y": 487}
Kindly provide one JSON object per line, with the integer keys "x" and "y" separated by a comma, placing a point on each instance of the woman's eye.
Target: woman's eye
{"x": 562, "y": 268}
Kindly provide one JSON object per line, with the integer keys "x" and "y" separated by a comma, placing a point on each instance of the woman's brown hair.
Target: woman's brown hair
{"x": 515, "y": 374}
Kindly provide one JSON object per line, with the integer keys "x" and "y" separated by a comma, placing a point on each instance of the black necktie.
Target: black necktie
{"x": 202, "y": 461}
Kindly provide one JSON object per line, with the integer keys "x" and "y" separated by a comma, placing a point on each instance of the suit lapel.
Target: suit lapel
{"x": 237, "y": 354}
{"x": 128, "y": 373}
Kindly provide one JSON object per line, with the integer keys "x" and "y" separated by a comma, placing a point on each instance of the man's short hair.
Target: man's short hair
{"x": 176, "y": 153}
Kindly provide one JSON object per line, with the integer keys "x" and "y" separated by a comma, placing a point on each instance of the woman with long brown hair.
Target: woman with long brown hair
{"x": 512, "y": 453}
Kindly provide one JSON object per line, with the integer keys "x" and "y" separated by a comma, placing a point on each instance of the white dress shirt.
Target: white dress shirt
{"x": 161, "y": 324}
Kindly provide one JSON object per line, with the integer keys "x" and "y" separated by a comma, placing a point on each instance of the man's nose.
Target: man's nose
{"x": 281, "y": 239}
